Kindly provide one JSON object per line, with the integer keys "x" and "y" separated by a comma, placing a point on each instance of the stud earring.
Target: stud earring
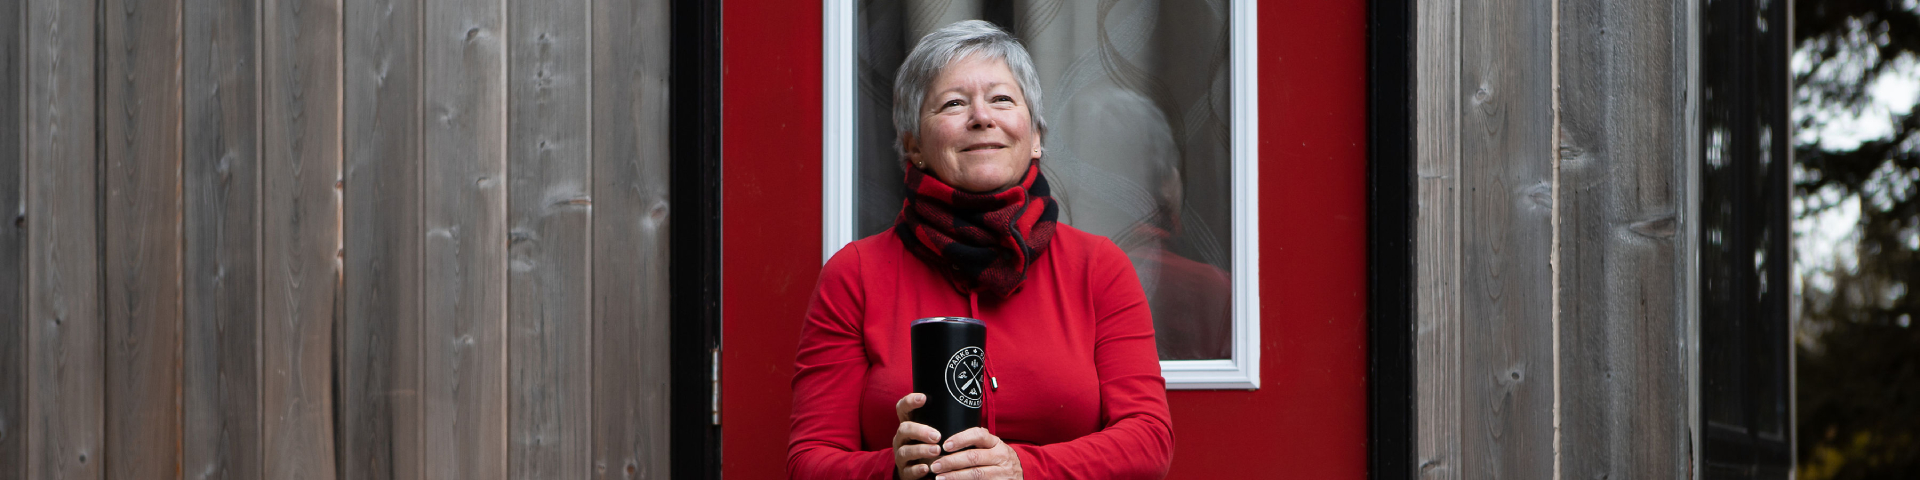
{"x": 921, "y": 165}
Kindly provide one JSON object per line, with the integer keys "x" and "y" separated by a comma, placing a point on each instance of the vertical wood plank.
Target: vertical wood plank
{"x": 299, "y": 234}
{"x": 630, "y": 309}
{"x": 13, "y": 242}
{"x": 380, "y": 413}
{"x": 65, "y": 375}
{"x": 221, "y": 370}
{"x": 464, "y": 337}
{"x": 549, "y": 210}
{"x": 1437, "y": 231}
{"x": 1622, "y": 99}
{"x": 140, "y": 132}
{"x": 1506, "y": 241}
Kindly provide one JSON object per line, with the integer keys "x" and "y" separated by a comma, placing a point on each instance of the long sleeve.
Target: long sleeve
{"x": 1136, "y": 439}
{"x": 831, "y": 365}
{"x": 1080, "y": 393}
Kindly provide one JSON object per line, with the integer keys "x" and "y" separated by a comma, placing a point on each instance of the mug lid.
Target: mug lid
{"x": 949, "y": 320}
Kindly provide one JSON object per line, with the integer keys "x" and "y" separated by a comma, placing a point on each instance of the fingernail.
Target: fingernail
{"x": 948, "y": 446}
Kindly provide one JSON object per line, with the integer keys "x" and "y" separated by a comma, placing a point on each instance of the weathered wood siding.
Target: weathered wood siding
{"x": 220, "y": 373}
{"x": 630, "y": 386}
{"x": 13, "y": 241}
{"x": 333, "y": 239}
{"x": 549, "y": 218}
{"x": 140, "y": 139}
{"x": 1551, "y": 333}
{"x": 1622, "y": 151}
{"x": 64, "y": 418}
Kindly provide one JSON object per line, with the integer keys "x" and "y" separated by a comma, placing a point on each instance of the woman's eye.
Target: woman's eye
{"x": 1003, "y": 98}
{"x": 950, "y": 103}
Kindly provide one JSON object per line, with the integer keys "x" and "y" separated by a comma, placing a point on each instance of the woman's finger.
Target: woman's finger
{"x": 975, "y": 437}
{"x": 916, "y": 432}
{"x": 914, "y": 471}
{"x": 906, "y": 454}
{"x": 987, "y": 450}
{"x": 909, "y": 461}
{"x": 976, "y": 473}
{"x": 963, "y": 461}
{"x": 916, "y": 452}
{"x": 904, "y": 408}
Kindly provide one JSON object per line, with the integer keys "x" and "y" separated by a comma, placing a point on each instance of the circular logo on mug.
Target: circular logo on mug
{"x": 963, "y": 376}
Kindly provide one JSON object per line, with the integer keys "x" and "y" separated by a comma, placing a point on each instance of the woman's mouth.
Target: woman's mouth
{"x": 983, "y": 146}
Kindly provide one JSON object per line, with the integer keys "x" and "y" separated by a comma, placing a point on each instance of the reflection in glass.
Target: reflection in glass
{"x": 1742, "y": 220}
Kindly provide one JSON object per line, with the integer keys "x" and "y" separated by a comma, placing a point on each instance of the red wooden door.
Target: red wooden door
{"x": 1308, "y": 420}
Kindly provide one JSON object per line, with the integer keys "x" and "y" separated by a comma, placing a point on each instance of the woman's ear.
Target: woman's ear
{"x": 909, "y": 149}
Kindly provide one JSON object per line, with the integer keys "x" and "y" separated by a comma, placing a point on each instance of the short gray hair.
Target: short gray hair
{"x": 953, "y": 42}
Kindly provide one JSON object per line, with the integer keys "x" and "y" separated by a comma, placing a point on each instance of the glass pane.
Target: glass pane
{"x": 1137, "y": 99}
{"x": 1743, "y": 239}
{"x": 1721, "y": 334}
{"x": 1767, "y": 258}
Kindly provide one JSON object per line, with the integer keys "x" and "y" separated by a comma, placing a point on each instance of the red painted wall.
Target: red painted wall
{"x": 1309, "y": 418}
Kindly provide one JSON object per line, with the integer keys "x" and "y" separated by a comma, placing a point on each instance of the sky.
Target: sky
{"x": 1821, "y": 239}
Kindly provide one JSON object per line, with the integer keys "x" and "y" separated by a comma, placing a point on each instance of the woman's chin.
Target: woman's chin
{"x": 985, "y": 184}
{"x": 990, "y": 178}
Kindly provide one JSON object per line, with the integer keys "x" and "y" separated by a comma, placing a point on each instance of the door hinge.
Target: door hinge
{"x": 715, "y": 379}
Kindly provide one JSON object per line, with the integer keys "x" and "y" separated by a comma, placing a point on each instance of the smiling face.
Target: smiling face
{"x": 976, "y": 133}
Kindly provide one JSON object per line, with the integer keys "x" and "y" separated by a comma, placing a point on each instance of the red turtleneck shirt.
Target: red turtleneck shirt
{"x": 1080, "y": 393}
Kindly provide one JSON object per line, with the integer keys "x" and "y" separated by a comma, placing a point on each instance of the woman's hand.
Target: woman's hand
{"x": 910, "y": 461}
{"x": 989, "y": 459}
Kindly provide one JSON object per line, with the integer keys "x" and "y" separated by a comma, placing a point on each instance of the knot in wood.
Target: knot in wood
{"x": 1571, "y": 152}
{"x": 1663, "y": 227}
{"x": 1541, "y": 194}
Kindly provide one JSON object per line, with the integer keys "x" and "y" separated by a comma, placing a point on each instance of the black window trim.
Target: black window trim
{"x": 694, "y": 265}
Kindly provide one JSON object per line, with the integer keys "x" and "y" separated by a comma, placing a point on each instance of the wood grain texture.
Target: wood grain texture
{"x": 66, "y": 387}
{"x": 1437, "y": 233}
{"x": 381, "y": 414}
{"x": 464, "y": 338}
{"x": 1506, "y": 241}
{"x": 630, "y": 310}
{"x": 140, "y": 137}
{"x": 1622, "y": 95}
{"x": 13, "y": 242}
{"x": 220, "y": 374}
{"x": 550, "y": 210}
{"x": 300, "y": 234}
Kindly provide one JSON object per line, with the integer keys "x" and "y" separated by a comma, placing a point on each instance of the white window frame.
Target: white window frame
{"x": 1242, "y": 371}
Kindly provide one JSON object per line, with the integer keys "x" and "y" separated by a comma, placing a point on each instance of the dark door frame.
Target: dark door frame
{"x": 1390, "y": 246}
{"x": 693, "y": 263}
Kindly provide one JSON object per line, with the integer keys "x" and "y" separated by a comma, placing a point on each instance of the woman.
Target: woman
{"x": 1069, "y": 336}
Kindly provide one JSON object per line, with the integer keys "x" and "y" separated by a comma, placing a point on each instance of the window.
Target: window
{"x": 1148, "y": 147}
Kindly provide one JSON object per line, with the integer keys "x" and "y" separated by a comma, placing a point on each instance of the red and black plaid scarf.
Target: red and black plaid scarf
{"x": 984, "y": 241}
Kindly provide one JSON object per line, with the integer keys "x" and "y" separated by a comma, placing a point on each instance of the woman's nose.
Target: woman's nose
{"x": 979, "y": 116}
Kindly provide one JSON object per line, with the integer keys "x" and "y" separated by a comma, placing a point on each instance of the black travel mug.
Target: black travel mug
{"x": 949, "y": 367}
